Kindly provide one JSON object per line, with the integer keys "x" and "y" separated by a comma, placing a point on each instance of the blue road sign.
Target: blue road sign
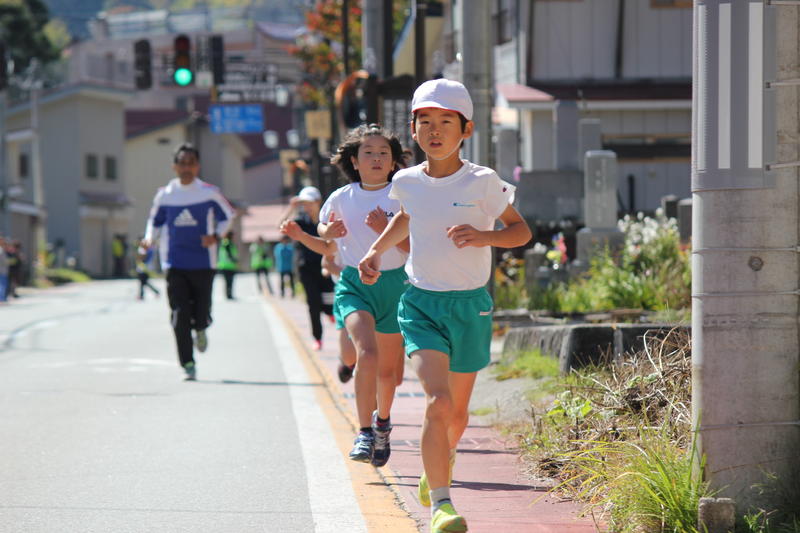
{"x": 236, "y": 118}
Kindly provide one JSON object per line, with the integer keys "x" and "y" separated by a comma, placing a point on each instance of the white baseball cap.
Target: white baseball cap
{"x": 309, "y": 194}
{"x": 443, "y": 94}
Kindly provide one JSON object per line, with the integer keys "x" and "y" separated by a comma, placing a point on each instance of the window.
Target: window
{"x": 661, "y": 147}
{"x": 91, "y": 166}
{"x": 111, "y": 168}
{"x": 450, "y": 46}
{"x": 23, "y": 166}
{"x": 503, "y": 22}
{"x": 670, "y": 3}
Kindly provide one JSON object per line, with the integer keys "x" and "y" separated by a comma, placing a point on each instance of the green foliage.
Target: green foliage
{"x": 647, "y": 485}
{"x": 531, "y": 364}
{"x": 651, "y": 272}
{"x": 22, "y": 28}
{"x": 509, "y": 283}
{"x": 763, "y": 522}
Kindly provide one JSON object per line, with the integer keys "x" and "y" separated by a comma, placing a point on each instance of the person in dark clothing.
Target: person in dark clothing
{"x": 189, "y": 214}
{"x": 318, "y": 289}
{"x": 14, "y": 254}
{"x": 144, "y": 260}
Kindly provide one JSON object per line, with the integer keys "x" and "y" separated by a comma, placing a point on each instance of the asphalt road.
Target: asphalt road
{"x": 99, "y": 432}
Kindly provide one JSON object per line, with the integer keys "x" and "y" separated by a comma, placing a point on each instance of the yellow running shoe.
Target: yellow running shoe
{"x": 446, "y": 519}
{"x": 424, "y": 491}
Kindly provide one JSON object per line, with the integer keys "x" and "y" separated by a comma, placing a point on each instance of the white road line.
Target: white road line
{"x": 333, "y": 502}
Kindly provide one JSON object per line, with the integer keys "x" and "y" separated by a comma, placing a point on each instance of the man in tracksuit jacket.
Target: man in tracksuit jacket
{"x": 188, "y": 215}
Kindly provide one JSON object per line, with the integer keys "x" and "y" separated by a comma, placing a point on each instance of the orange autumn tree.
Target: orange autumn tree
{"x": 320, "y": 50}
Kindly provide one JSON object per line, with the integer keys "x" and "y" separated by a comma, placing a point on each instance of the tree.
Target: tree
{"x": 22, "y": 27}
{"x": 320, "y": 49}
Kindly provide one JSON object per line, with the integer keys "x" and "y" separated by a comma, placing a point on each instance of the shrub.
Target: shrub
{"x": 652, "y": 272}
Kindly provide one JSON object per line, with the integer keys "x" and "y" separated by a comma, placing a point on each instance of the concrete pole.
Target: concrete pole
{"x": 477, "y": 53}
{"x": 36, "y": 164}
{"x": 746, "y": 395}
{"x": 372, "y": 59}
{"x": 6, "y": 201}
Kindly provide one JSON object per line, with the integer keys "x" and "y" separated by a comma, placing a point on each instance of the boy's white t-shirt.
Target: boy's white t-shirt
{"x": 352, "y": 204}
{"x": 473, "y": 195}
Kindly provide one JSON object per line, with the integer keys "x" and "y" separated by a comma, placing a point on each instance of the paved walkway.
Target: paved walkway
{"x": 488, "y": 488}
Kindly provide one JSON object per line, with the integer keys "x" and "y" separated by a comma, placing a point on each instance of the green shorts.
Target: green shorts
{"x": 337, "y": 315}
{"x": 380, "y": 300}
{"x": 458, "y": 323}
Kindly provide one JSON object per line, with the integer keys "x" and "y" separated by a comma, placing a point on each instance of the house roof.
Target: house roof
{"x": 262, "y": 221}
{"x": 545, "y": 93}
{"x": 141, "y": 121}
{"x": 93, "y": 90}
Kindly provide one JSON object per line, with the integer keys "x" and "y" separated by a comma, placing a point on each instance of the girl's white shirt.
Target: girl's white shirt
{"x": 472, "y": 195}
{"x": 352, "y": 204}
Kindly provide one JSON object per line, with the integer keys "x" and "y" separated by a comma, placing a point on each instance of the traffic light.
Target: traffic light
{"x": 218, "y": 59}
{"x": 182, "y": 73}
{"x": 142, "y": 69}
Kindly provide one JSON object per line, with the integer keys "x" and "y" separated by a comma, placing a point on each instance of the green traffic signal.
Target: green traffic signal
{"x": 182, "y": 76}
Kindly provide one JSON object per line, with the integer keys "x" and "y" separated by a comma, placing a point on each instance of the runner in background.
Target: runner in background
{"x": 261, "y": 263}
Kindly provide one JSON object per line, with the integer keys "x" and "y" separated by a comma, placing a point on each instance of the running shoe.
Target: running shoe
{"x": 317, "y": 344}
{"x": 382, "y": 449}
{"x": 446, "y": 519}
{"x": 191, "y": 371}
{"x": 424, "y": 491}
{"x": 201, "y": 340}
{"x": 345, "y": 372}
{"x": 363, "y": 447}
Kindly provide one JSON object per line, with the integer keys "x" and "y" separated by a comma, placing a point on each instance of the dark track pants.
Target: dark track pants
{"x": 285, "y": 275}
{"x": 189, "y": 293}
{"x": 314, "y": 284}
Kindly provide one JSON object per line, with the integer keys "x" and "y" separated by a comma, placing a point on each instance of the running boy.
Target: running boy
{"x": 449, "y": 208}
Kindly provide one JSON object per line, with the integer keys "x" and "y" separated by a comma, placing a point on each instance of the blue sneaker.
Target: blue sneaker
{"x": 191, "y": 371}
{"x": 382, "y": 449}
{"x": 363, "y": 447}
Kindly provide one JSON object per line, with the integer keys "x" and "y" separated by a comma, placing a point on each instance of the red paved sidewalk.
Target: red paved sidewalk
{"x": 488, "y": 488}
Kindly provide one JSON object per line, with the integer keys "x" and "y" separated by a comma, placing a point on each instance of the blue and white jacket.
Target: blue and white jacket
{"x": 180, "y": 216}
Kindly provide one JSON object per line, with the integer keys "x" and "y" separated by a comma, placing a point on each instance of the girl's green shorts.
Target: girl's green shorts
{"x": 380, "y": 300}
{"x": 337, "y": 315}
{"x": 458, "y": 323}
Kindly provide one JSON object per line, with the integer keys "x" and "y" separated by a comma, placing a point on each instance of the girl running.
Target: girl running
{"x": 354, "y": 216}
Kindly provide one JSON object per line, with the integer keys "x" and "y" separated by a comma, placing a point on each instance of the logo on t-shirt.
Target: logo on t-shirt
{"x": 185, "y": 218}
{"x": 462, "y": 204}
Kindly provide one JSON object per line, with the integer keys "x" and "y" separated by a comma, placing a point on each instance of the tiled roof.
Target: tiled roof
{"x": 141, "y": 121}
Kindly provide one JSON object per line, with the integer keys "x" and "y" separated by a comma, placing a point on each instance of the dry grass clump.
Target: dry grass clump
{"x": 618, "y": 437}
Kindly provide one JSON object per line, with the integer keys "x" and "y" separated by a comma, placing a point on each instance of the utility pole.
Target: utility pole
{"x": 476, "y": 47}
{"x": 5, "y": 201}
{"x": 35, "y": 85}
{"x": 745, "y": 387}
{"x": 420, "y": 75}
{"x": 377, "y": 34}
